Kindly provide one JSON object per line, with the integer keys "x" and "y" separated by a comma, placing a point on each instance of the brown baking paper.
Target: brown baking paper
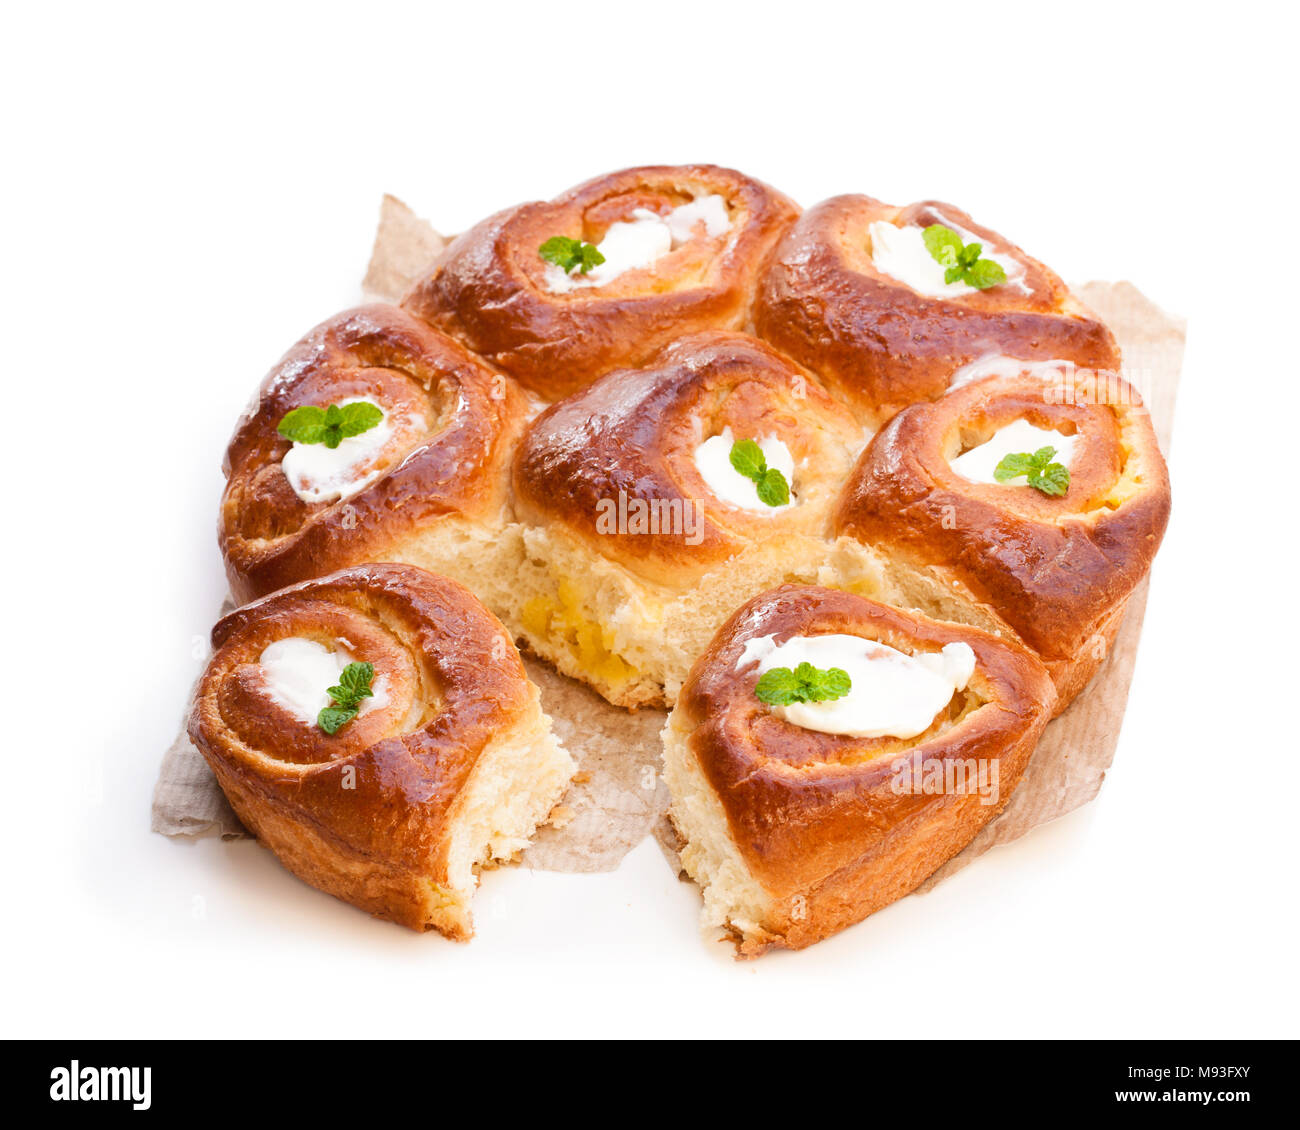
{"x": 618, "y": 797}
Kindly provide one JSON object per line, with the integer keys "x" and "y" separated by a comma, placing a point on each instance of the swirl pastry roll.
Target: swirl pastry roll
{"x": 854, "y": 293}
{"x": 640, "y": 534}
{"x": 965, "y": 538}
{"x": 427, "y": 482}
{"x": 803, "y": 816}
{"x": 601, "y": 277}
{"x": 445, "y": 765}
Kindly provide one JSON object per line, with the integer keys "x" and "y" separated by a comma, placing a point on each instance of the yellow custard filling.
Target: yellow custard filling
{"x": 562, "y": 621}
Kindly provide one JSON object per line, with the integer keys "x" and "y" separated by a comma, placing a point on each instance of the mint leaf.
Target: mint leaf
{"x": 353, "y": 686}
{"x": 1013, "y": 466}
{"x": 359, "y": 416}
{"x": 303, "y": 425}
{"x": 333, "y": 419}
{"x": 330, "y": 426}
{"x": 772, "y": 488}
{"x": 963, "y": 262}
{"x": 354, "y": 683}
{"x": 1037, "y": 468}
{"x": 943, "y": 244}
{"x": 1054, "y": 480}
{"x": 568, "y": 253}
{"x": 781, "y": 686}
{"x": 834, "y": 683}
{"x": 748, "y": 458}
{"x": 778, "y": 687}
{"x": 333, "y": 718}
{"x": 985, "y": 274}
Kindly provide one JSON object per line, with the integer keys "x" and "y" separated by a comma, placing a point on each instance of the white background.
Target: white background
{"x": 185, "y": 194}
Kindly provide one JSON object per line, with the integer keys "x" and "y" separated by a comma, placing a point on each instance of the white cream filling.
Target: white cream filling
{"x": 321, "y": 474}
{"x": 1020, "y": 436}
{"x": 636, "y": 243}
{"x": 901, "y": 253}
{"x": 892, "y": 694}
{"x": 713, "y": 459}
{"x": 299, "y": 673}
{"x": 1000, "y": 365}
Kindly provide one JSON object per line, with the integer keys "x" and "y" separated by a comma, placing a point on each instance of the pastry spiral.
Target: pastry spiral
{"x": 557, "y": 332}
{"x": 452, "y": 765}
{"x": 432, "y": 492}
{"x": 880, "y": 343}
{"x": 794, "y": 834}
{"x": 1057, "y": 571}
{"x": 631, "y": 558}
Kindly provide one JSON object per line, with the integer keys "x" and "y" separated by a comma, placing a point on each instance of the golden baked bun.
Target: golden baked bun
{"x": 681, "y": 272}
{"x": 449, "y": 765}
{"x": 879, "y": 342}
{"x": 794, "y": 833}
{"x": 428, "y": 486}
{"x": 1057, "y": 571}
{"x": 632, "y": 559}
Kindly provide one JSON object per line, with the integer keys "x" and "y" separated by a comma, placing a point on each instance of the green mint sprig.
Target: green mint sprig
{"x": 1038, "y": 468}
{"x": 330, "y": 426}
{"x": 962, "y": 261}
{"x": 781, "y": 686}
{"x": 568, "y": 253}
{"x": 748, "y": 458}
{"x": 354, "y": 685}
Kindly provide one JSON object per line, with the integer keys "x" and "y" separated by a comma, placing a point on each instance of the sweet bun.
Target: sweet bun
{"x": 1056, "y": 571}
{"x": 793, "y": 833}
{"x": 880, "y": 342}
{"x": 450, "y": 766}
{"x": 431, "y": 485}
{"x": 632, "y": 559}
{"x": 675, "y": 273}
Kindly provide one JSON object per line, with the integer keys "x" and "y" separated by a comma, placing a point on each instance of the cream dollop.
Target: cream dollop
{"x": 1000, "y": 365}
{"x": 299, "y": 672}
{"x": 632, "y": 244}
{"x": 977, "y": 464}
{"x": 322, "y": 474}
{"x": 713, "y": 460}
{"x": 892, "y": 694}
{"x": 901, "y": 253}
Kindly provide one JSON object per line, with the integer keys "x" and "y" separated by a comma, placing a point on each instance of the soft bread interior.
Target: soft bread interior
{"x": 733, "y": 898}
{"x": 516, "y": 782}
{"x": 635, "y": 641}
{"x": 481, "y": 556}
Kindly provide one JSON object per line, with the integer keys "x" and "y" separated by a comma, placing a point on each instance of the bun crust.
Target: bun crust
{"x": 444, "y": 470}
{"x": 627, "y": 604}
{"x": 1056, "y": 570}
{"x": 394, "y": 811}
{"x": 488, "y": 287}
{"x": 636, "y": 431}
{"x": 795, "y": 834}
{"x": 882, "y": 345}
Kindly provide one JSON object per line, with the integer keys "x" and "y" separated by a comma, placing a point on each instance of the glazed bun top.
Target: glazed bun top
{"x": 446, "y": 680}
{"x": 682, "y": 245}
{"x": 638, "y": 465}
{"x": 853, "y": 293}
{"x": 292, "y": 511}
{"x": 1053, "y": 565}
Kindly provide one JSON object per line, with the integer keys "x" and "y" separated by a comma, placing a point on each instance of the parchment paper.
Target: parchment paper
{"x": 618, "y": 797}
